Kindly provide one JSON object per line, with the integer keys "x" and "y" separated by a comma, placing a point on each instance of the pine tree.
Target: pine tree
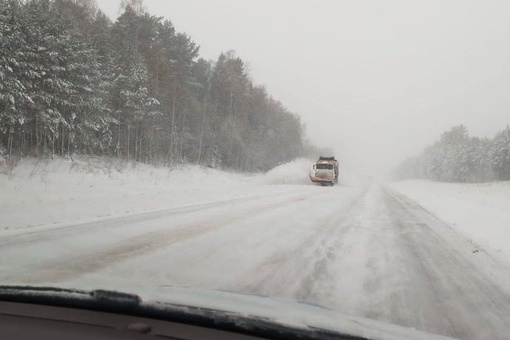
{"x": 500, "y": 155}
{"x": 71, "y": 81}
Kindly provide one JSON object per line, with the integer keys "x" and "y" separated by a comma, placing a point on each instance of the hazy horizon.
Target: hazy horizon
{"x": 376, "y": 82}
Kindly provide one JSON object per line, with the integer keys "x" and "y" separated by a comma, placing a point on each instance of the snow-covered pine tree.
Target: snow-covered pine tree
{"x": 500, "y": 155}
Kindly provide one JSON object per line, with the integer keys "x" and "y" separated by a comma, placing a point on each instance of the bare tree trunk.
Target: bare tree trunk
{"x": 36, "y": 136}
{"x": 201, "y": 134}
{"x": 232, "y": 123}
{"x": 136, "y": 142}
{"x": 204, "y": 110}
{"x": 171, "y": 149}
{"x": 128, "y": 139}
{"x": 30, "y": 139}
{"x": 140, "y": 143}
{"x": 22, "y": 142}
{"x": 118, "y": 140}
{"x": 45, "y": 139}
{"x": 183, "y": 131}
{"x": 140, "y": 140}
{"x": 53, "y": 143}
{"x": 62, "y": 140}
{"x": 9, "y": 141}
{"x": 69, "y": 144}
{"x": 151, "y": 149}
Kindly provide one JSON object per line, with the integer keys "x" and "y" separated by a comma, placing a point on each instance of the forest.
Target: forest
{"x": 458, "y": 157}
{"x": 74, "y": 82}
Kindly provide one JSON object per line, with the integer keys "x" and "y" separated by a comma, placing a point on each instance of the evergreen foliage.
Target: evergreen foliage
{"x": 72, "y": 81}
{"x": 457, "y": 157}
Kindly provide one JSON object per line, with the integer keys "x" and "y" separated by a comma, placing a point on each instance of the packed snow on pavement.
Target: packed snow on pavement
{"x": 480, "y": 212}
{"x": 386, "y": 252}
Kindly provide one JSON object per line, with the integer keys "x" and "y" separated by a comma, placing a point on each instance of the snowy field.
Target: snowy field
{"x": 423, "y": 255}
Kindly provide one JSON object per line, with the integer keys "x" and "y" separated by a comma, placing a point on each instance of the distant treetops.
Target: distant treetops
{"x": 457, "y": 157}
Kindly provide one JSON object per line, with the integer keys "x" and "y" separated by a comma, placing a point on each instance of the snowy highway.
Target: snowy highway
{"x": 364, "y": 250}
{"x": 228, "y": 164}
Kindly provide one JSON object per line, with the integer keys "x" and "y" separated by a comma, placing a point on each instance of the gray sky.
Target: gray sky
{"x": 375, "y": 80}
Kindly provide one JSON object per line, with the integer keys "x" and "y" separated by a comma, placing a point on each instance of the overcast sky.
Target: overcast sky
{"x": 374, "y": 80}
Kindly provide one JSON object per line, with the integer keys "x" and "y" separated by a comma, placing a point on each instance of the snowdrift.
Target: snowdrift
{"x": 294, "y": 172}
{"x": 64, "y": 191}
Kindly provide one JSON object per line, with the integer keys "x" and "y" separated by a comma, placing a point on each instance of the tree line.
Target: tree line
{"x": 458, "y": 157}
{"x": 72, "y": 81}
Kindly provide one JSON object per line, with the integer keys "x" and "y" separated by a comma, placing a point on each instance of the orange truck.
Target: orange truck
{"x": 325, "y": 171}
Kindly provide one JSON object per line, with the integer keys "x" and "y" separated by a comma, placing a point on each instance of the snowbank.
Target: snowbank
{"x": 42, "y": 192}
{"x": 480, "y": 212}
{"x": 294, "y": 172}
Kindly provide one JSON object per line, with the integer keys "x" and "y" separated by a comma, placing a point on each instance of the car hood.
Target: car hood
{"x": 285, "y": 312}
{"x": 238, "y": 308}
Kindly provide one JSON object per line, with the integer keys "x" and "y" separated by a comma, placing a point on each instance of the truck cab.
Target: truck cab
{"x": 325, "y": 171}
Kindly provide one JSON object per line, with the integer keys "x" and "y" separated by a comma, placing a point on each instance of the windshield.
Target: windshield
{"x": 151, "y": 145}
{"x": 324, "y": 166}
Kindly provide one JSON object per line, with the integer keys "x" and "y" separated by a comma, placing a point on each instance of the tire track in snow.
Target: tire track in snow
{"x": 450, "y": 294}
{"x": 64, "y": 269}
{"x": 292, "y": 272}
{"x": 67, "y": 230}
{"x": 387, "y": 259}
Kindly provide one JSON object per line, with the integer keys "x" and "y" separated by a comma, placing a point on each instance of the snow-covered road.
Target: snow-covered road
{"x": 364, "y": 250}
